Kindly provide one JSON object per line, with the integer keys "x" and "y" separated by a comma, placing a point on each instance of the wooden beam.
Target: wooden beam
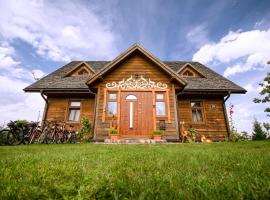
{"x": 118, "y": 109}
{"x": 175, "y": 104}
{"x": 96, "y": 112}
{"x": 104, "y": 105}
{"x": 168, "y": 106}
{"x": 154, "y": 109}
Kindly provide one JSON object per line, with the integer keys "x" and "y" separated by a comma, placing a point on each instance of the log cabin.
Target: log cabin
{"x": 140, "y": 93}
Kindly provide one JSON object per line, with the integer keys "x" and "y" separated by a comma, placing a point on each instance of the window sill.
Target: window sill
{"x": 72, "y": 122}
{"x": 162, "y": 117}
{"x": 198, "y": 123}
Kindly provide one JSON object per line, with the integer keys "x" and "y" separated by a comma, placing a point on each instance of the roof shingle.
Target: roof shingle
{"x": 212, "y": 81}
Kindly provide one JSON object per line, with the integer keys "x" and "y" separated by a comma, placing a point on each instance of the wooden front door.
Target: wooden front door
{"x": 136, "y": 116}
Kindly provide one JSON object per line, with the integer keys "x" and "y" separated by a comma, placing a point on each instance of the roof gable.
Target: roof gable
{"x": 189, "y": 69}
{"x": 82, "y": 69}
{"x": 132, "y": 49}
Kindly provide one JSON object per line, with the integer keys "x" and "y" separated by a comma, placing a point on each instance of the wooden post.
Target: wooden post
{"x": 154, "y": 109}
{"x": 118, "y": 108}
{"x": 168, "y": 106}
{"x": 104, "y": 105}
{"x": 175, "y": 100}
{"x": 96, "y": 113}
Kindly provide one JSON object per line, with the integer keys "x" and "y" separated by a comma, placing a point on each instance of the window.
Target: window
{"x": 74, "y": 111}
{"x": 83, "y": 72}
{"x": 197, "y": 111}
{"x": 188, "y": 73}
{"x": 160, "y": 104}
{"x": 112, "y": 104}
{"x": 131, "y": 97}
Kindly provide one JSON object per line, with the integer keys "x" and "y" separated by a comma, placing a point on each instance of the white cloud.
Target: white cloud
{"x": 245, "y": 112}
{"x": 15, "y": 104}
{"x": 58, "y": 30}
{"x": 243, "y": 52}
{"x": 11, "y": 67}
{"x": 251, "y": 47}
{"x": 6, "y": 61}
{"x": 197, "y": 35}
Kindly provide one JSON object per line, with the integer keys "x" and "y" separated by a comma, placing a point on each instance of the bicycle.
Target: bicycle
{"x": 34, "y": 131}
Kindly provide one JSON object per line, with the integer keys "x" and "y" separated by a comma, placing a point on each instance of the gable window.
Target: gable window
{"x": 197, "y": 111}
{"x": 112, "y": 104}
{"x": 83, "y": 72}
{"x": 160, "y": 104}
{"x": 188, "y": 73}
{"x": 74, "y": 111}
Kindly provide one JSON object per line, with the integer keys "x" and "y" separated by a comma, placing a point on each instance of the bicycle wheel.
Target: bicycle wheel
{"x": 35, "y": 136}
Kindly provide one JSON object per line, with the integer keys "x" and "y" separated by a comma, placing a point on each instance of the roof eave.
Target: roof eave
{"x": 55, "y": 89}
{"x": 217, "y": 90}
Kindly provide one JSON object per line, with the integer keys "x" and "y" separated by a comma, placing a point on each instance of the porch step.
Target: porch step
{"x": 134, "y": 141}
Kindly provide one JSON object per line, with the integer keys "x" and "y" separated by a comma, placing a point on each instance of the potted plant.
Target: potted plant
{"x": 157, "y": 134}
{"x": 114, "y": 133}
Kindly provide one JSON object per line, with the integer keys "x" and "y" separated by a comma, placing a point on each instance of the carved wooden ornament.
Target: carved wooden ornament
{"x": 136, "y": 83}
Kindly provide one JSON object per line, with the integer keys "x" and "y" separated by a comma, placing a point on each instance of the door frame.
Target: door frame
{"x": 133, "y": 92}
{"x": 154, "y": 91}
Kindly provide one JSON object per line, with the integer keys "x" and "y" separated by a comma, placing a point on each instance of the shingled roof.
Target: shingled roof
{"x": 57, "y": 80}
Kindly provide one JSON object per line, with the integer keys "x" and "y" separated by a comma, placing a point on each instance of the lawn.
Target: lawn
{"x": 170, "y": 171}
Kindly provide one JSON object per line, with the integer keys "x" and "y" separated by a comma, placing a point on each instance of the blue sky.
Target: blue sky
{"x": 231, "y": 37}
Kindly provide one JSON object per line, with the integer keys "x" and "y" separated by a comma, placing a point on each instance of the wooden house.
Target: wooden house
{"x": 140, "y": 93}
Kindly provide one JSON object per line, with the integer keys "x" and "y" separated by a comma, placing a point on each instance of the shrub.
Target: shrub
{"x": 235, "y": 136}
{"x": 258, "y": 133}
{"x": 113, "y": 131}
{"x": 158, "y": 132}
{"x": 193, "y": 133}
{"x": 266, "y": 125}
{"x": 244, "y": 136}
{"x": 85, "y": 132}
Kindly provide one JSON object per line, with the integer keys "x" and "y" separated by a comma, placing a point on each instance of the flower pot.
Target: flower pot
{"x": 157, "y": 137}
{"x": 115, "y": 136}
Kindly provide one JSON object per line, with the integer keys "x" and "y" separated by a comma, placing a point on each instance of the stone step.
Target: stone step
{"x": 134, "y": 141}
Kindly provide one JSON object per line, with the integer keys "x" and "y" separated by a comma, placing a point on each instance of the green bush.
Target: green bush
{"x": 113, "y": 131}
{"x": 258, "y": 133}
{"x": 158, "y": 132}
{"x": 193, "y": 133}
{"x": 244, "y": 136}
{"x": 235, "y": 136}
{"x": 85, "y": 132}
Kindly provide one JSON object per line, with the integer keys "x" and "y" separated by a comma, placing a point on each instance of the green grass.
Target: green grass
{"x": 172, "y": 171}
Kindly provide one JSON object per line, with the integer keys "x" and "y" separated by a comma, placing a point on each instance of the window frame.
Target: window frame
{"x": 161, "y": 100}
{"x": 77, "y": 108}
{"x": 201, "y": 107}
{"x": 108, "y": 100}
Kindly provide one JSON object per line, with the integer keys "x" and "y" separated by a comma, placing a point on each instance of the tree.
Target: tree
{"x": 265, "y": 93}
{"x": 266, "y": 125}
{"x": 258, "y": 133}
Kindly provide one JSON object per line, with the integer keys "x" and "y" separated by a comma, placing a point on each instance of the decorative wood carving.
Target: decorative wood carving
{"x": 136, "y": 83}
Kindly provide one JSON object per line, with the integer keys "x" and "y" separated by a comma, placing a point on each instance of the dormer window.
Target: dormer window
{"x": 188, "y": 73}
{"x": 83, "y": 72}
{"x": 189, "y": 70}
